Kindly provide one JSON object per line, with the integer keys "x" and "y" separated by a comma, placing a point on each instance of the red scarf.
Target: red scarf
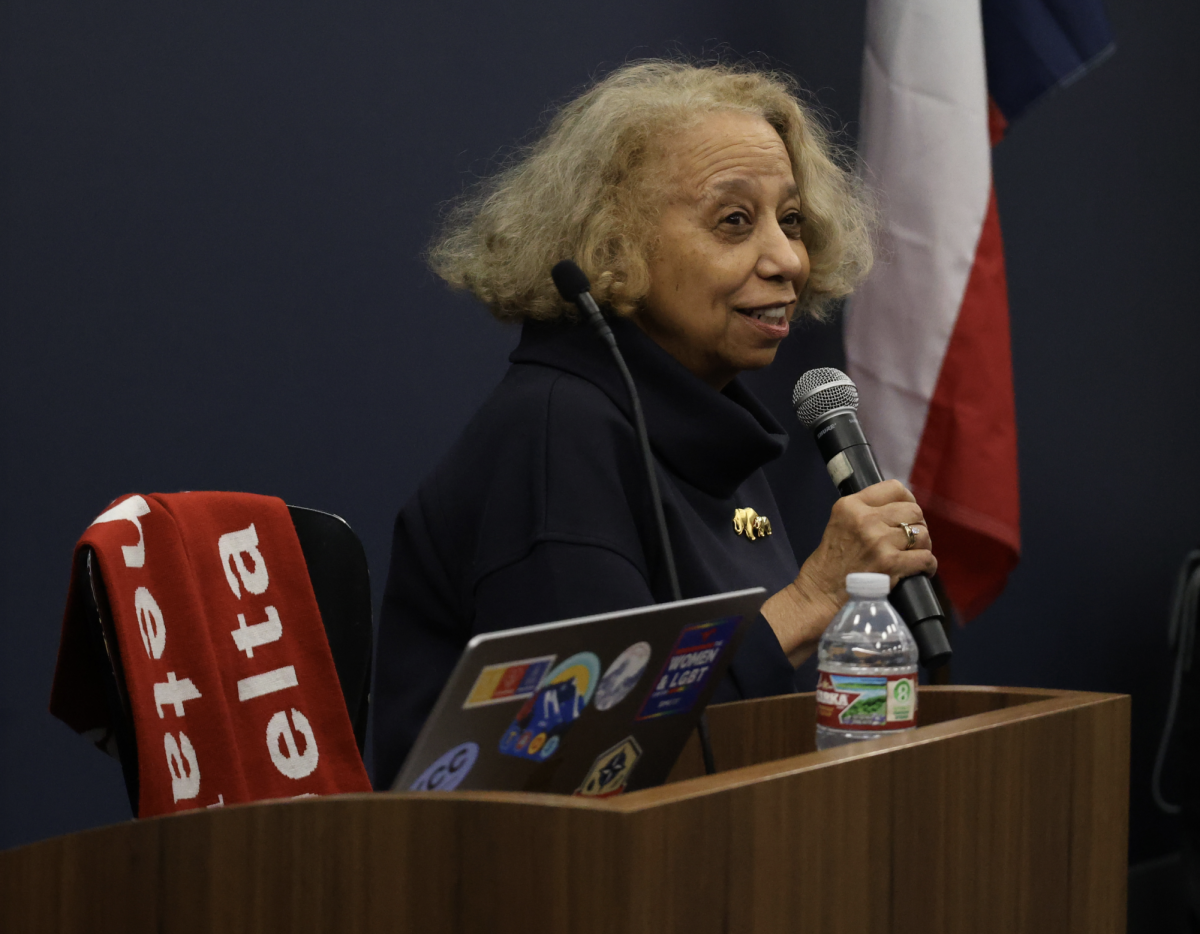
{"x": 234, "y": 694}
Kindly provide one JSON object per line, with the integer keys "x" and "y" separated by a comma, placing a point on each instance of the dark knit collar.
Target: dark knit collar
{"x": 713, "y": 440}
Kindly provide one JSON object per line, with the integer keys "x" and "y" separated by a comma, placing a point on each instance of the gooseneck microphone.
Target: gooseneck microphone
{"x": 826, "y": 402}
{"x": 572, "y": 284}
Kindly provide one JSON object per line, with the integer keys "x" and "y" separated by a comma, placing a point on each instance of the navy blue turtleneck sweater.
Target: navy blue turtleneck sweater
{"x": 541, "y": 511}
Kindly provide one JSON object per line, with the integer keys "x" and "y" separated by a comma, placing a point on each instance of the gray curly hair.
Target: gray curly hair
{"x": 583, "y": 190}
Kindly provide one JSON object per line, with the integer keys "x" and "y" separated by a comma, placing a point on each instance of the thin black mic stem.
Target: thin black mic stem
{"x": 588, "y": 304}
{"x": 710, "y": 765}
{"x": 660, "y": 517}
{"x": 639, "y": 424}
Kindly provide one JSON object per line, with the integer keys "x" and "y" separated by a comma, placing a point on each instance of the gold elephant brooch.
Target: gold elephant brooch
{"x": 749, "y": 523}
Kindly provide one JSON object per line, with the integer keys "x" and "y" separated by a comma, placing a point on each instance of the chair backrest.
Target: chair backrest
{"x": 337, "y": 568}
{"x": 341, "y": 581}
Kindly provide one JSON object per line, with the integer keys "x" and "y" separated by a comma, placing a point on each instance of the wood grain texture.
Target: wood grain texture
{"x": 751, "y": 732}
{"x": 1005, "y": 812}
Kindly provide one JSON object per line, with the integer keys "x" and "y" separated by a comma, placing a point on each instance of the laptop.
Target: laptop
{"x": 594, "y": 706}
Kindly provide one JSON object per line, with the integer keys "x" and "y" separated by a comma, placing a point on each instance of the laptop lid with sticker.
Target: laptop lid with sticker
{"x": 593, "y": 706}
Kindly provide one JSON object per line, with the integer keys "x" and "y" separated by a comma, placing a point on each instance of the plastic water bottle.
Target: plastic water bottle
{"x": 867, "y": 668}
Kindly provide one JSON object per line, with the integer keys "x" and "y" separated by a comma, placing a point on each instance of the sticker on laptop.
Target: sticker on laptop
{"x": 448, "y": 769}
{"x": 611, "y": 770}
{"x": 688, "y": 668}
{"x": 622, "y": 676}
{"x": 508, "y": 681}
{"x": 539, "y": 726}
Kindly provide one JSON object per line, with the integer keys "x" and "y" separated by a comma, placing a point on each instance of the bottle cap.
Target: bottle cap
{"x": 868, "y": 585}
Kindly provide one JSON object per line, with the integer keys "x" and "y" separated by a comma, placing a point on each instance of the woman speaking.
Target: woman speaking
{"x": 708, "y": 209}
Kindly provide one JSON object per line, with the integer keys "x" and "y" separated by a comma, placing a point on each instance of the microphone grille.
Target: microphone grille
{"x": 820, "y": 391}
{"x": 570, "y": 280}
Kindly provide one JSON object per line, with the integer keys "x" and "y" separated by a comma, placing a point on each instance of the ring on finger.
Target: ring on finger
{"x": 911, "y": 533}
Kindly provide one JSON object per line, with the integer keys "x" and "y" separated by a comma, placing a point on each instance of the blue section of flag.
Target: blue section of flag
{"x": 1033, "y": 46}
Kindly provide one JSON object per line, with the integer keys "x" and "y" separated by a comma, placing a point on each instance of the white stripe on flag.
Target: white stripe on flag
{"x": 925, "y": 148}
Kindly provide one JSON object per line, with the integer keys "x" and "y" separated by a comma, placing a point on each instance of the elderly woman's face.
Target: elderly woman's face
{"x": 728, "y": 264}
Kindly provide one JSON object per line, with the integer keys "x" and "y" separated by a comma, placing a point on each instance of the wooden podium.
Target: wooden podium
{"x": 1005, "y": 811}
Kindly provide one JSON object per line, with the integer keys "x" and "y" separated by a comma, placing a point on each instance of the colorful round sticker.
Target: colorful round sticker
{"x": 622, "y": 675}
{"x": 450, "y": 768}
{"x": 584, "y": 669}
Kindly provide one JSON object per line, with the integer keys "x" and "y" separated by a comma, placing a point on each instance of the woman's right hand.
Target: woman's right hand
{"x": 864, "y": 533}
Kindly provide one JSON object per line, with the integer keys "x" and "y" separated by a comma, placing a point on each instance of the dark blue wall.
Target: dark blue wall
{"x": 212, "y": 220}
{"x": 1098, "y": 201}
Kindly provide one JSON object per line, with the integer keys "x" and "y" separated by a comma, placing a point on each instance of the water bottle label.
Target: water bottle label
{"x": 867, "y": 702}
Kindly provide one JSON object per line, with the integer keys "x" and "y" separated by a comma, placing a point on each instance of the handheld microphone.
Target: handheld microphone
{"x": 826, "y": 402}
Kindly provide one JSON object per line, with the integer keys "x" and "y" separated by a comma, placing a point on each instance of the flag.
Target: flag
{"x": 927, "y": 336}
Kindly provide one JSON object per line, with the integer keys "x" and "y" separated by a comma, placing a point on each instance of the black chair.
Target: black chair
{"x": 337, "y": 567}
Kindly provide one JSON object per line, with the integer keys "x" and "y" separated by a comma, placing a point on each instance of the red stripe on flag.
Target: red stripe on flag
{"x": 965, "y": 472}
{"x": 997, "y": 123}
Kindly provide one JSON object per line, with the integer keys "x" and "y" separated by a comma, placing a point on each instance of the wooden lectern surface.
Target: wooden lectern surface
{"x": 1006, "y": 811}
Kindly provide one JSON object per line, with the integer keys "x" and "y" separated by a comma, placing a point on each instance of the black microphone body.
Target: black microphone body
{"x": 848, "y": 457}
{"x": 852, "y": 468}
